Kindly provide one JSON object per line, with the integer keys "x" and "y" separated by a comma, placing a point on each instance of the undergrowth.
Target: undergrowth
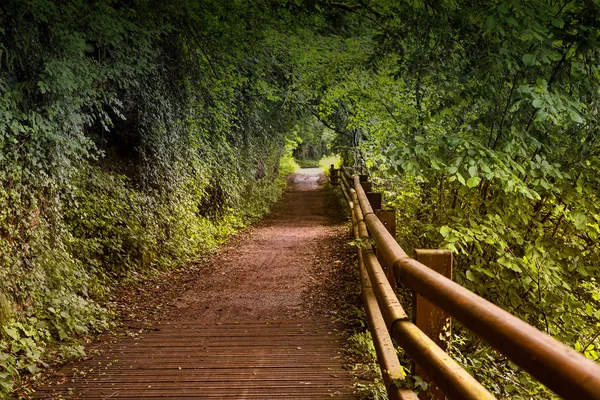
{"x": 307, "y": 163}
{"x": 126, "y": 147}
{"x": 122, "y": 232}
{"x": 367, "y": 369}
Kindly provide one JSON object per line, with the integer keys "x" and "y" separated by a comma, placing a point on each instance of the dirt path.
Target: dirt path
{"x": 258, "y": 310}
{"x": 268, "y": 275}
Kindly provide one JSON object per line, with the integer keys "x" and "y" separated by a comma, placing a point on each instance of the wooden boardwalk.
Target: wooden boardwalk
{"x": 236, "y": 360}
{"x": 281, "y": 346}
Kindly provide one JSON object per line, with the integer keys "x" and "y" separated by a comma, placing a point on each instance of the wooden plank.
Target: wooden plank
{"x": 249, "y": 360}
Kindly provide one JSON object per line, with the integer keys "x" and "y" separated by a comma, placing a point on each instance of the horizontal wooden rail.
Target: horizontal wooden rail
{"x": 346, "y": 174}
{"x": 566, "y": 372}
{"x": 391, "y": 370}
{"x": 418, "y": 346}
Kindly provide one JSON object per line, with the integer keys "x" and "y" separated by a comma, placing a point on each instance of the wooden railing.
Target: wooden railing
{"x": 566, "y": 372}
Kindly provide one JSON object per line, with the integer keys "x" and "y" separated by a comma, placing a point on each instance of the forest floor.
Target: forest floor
{"x": 294, "y": 265}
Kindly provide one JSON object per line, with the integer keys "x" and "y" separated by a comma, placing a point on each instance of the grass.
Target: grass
{"x": 308, "y": 163}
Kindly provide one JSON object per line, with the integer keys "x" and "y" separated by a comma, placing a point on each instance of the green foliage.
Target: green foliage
{"x": 137, "y": 135}
{"x": 133, "y": 136}
{"x": 479, "y": 123}
{"x": 308, "y": 163}
{"x": 314, "y": 142}
{"x": 288, "y": 164}
{"x": 361, "y": 345}
{"x": 326, "y": 162}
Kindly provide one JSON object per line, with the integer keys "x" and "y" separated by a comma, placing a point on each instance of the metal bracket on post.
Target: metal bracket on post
{"x": 430, "y": 319}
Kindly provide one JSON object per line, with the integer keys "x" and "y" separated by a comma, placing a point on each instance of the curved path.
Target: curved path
{"x": 248, "y": 327}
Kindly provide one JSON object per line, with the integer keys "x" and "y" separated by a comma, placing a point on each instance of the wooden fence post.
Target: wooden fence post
{"x": 334, "y": 175}
{"x": 375, "y": 200}
{"x": 388, "y": 219}
{"x": 430, "y": 319}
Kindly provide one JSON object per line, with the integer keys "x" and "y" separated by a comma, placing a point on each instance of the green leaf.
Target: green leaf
{"x": 470, "y": 275}
{"x": 539, "y": 103}
{"x": 529, "y": 59}
{"x": 445, "y": 231}
{"x": 512, "y": 21}
{"x": 473, "y": 171}
{"x": 13, "y": 333}
{"x": 510, "y": 264}
{"x": 575, "y": 117}
{"x": 541, "y": 116}
{"x": 580, "y": 220}
{"x": 473, "y": 181}
{"x": 558, "y": 22}
{"x": 32, "y": 368}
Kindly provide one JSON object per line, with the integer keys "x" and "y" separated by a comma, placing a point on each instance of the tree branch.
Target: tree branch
{"x": 347, "y": 7}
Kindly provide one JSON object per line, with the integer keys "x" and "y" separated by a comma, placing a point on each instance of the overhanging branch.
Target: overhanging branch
{"x": 347, "y": 7}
